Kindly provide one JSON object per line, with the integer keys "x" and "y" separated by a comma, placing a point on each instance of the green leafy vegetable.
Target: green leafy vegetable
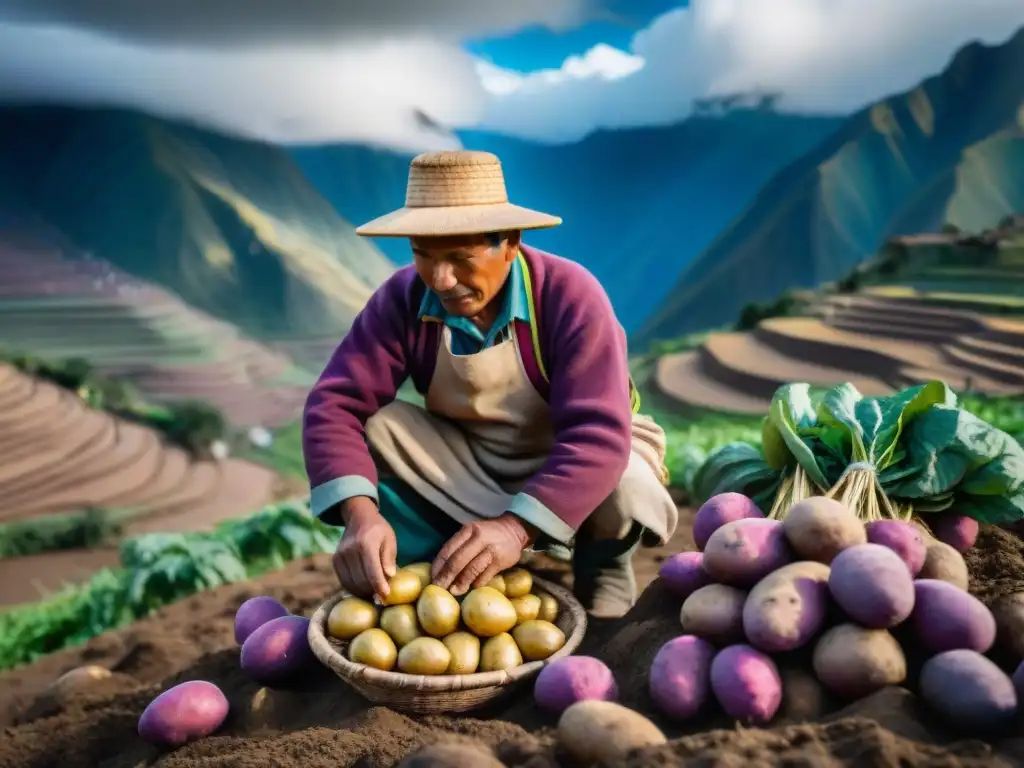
{"x": 914, "y": 452}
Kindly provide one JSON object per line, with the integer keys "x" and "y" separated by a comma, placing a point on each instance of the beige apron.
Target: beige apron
{"x": 486, "y": 431}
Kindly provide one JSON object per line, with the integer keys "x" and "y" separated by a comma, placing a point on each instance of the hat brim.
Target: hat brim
{"x": 456, "y": 220}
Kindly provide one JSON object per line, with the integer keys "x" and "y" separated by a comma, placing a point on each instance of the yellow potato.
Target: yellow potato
{"x": 538, "y": 639}
{"x": 465, "y": 650}
{"x": 548, "y": 607}
{"x": 943, "y": 562}
{"x": 486, "y": 612}
{"x": 518, "y": 582}
{"x": 527, "y": 607}
{"x": 78, "y": 678}
{"x": 399, "y": 621}
{"x": 422, "y": 570}
{"x": 500, "y": 652}
{"x": 498, "y": 583}
{"x": 351, "y": 616}
{"x": 405, "y": 586}
{"x": 424, "y": 656}
{"x": 374, "y": 648}
{"x": 452, "y": 755}
{"x": 591, "y": 731}
{"x": 437, "y": 611}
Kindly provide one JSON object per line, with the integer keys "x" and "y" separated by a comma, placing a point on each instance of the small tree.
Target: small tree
{"x": 195, "y": 426}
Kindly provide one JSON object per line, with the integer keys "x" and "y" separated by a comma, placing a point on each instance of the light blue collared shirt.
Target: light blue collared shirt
{"x": 467, "y": 338}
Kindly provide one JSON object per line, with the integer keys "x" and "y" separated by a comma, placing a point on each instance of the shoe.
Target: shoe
{"x": 603, "y": 577}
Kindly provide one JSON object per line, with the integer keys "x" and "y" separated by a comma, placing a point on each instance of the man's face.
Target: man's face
{"x": 465, "y": 271}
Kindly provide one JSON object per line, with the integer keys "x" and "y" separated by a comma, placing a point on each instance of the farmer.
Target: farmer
{"x": 529, "y": 440}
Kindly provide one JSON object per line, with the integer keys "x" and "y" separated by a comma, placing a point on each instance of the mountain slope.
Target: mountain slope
{"x": 637, "y": 205}
{"x": 59, "y": 456}
{"x": 951, "y": 150}
{"x": 58, "y": 305}
{"x": 233, "y": 227}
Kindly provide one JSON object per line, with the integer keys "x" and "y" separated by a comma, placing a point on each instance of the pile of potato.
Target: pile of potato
{"x": 856, "y": 595}
{"x": 422, "y": 629}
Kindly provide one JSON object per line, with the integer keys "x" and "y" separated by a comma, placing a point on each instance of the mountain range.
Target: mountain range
{"x": 683, "y": 224}
{"x": 636, "y": 205}
{"x": 948, "y": 151}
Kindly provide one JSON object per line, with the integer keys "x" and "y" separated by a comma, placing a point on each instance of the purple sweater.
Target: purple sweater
{"x": 583, "y": 375}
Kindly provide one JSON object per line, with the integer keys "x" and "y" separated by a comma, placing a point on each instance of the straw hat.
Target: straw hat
{"x": 456, "y": 193}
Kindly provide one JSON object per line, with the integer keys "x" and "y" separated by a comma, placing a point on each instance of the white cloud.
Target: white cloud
{"x": 296, "y": 71}
{"x": 822, "y": 55}
{"x": 602, "y": 63}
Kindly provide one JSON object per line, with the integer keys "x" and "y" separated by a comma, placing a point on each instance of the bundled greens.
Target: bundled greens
{"x": 911, "y": 453}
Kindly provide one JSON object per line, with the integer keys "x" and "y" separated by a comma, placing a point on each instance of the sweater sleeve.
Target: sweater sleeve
{"x": 590, "y": 409}
{"x": 362, "y": 376}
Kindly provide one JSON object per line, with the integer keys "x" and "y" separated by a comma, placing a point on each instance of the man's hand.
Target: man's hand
{"x": 479, "y": 551}
{"x": 366, "y": 554}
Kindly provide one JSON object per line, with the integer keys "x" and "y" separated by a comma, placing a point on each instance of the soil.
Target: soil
{"x": 321, "y": 722}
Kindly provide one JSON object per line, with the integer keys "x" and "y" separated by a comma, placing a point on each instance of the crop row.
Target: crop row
{"x": 192, "y": 426}
{"x": 158, "y": 569}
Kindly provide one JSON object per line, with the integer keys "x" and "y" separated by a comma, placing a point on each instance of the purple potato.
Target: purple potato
{"x": 680, "y": 676}
{"x": 903, "y": 538}
{"x": 254, "y": 613}
{"x": 853, "y": 661}
{"x": 715, "y": 613}
{"x": 743, "y": 552}
{"x": 787, "y": 608}
{"x": 565, "y": 681}
{"x": 683, "y": 573}
{"x": 958, "y": 531}
{"x": 278, "y": 651}
{"x": 184, "y": 713}
{"x": 746, "y": 684}
{"x": 945, "y": 618}
{"x": 969, "y": 690}
{"x": 872, "y": 585}
{"x": 819, "y": 528}
{"x": 719, "y": 510}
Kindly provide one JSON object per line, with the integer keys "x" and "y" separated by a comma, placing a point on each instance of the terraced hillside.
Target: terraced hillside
{"x": 950, "y": 151}
{"x": 233, "y": 227}
{"x": 58, "y": 307}
{"x": 59, "y": 456}
{"x": 947, "y": 313}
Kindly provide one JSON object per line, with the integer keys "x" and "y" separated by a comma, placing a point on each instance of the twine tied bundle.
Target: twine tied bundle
{"x": 859, "y": 490}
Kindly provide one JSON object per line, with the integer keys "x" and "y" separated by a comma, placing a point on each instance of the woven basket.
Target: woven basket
{"x": 428, "y": 694}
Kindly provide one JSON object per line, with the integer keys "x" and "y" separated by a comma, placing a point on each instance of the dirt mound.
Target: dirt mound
{"x": 320, "y": 722}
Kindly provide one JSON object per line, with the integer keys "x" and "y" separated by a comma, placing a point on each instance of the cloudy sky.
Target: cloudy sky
{"x": 306, "y": 71}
